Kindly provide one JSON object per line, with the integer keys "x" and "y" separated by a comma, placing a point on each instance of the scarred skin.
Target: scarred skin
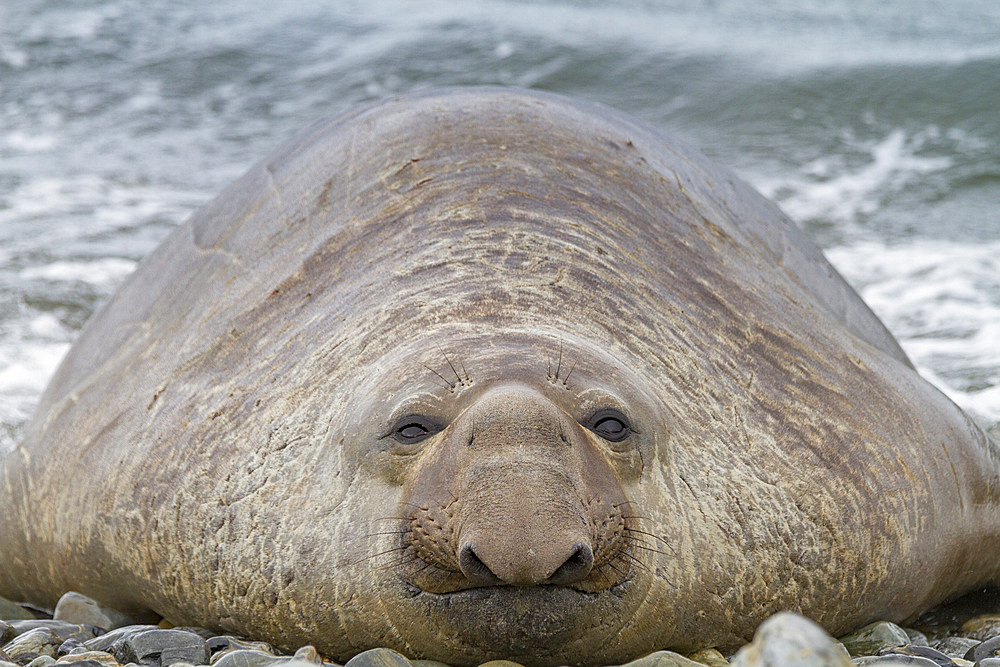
{"x": 224, "y": 444}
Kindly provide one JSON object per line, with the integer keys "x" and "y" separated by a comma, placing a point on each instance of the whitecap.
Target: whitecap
{"x": 942, "y": 302}
{"x": 102, "y": 272}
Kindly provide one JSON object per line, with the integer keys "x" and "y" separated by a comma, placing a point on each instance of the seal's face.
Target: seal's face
{"x": 515, "y": 529}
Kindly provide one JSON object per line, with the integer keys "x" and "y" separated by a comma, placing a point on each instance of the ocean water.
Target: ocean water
{"x": 874, "y": 123}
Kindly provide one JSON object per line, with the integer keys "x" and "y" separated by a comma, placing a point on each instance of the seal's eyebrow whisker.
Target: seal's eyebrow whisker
{"x": 448, "y": 385}
{"x": 572, "y": 368}
{"x": 453, "y": 369}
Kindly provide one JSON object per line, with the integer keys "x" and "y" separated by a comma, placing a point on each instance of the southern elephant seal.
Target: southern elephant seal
{"x": 491, "y": 373}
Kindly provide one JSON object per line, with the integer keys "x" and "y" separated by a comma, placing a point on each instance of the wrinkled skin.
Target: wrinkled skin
{"x": 494, "y": 272}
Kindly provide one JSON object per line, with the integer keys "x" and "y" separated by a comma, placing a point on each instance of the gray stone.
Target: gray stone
{"x": 11, "y": 611}
{"x": 934, "y": 655}
{"x": 988, "y": 662}
{"x": 955, "y": 647}
{"x": 428, "y": 663}
{"x": 896, "y": 660}
{"x": 8, "y": 663}
{"x": 160, "y": 648}
{"x": 378, "y": 657}
{"x": 106, "y": 641}
{"x": 988, "y": 649}
{"x": 230, "y": 642}
{"x": 790, "y": 640}
{"x": 245, "y": 658}
{"x": 42, "y": 661}
{"x": 27, "y": 646}
{"x": 917, "y": 638}
{"x": 657, "y": 659}
{"x": 78, "y": 608}
{"x": 875, "y": 637}
{"x": 65, "y": 631}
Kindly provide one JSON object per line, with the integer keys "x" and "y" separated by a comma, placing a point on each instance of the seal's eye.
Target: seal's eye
{"x": 610, "y": 424}
{"x": 413, "y": 429}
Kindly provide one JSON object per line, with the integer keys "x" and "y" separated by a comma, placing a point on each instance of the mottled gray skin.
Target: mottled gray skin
{"x": 218, "y": 445}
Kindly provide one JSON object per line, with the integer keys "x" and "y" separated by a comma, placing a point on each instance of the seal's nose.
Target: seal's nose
{"x": 526, "y": 567}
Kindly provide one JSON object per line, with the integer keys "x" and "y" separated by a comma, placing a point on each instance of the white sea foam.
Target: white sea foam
{"x": 829, "y": 188}
{"x": 942, "y": 301}
{"x": 31, "y": 348}
{"x": 103, "y": 272}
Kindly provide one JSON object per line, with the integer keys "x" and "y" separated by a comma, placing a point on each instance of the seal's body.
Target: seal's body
{"x": 487, "y": 373}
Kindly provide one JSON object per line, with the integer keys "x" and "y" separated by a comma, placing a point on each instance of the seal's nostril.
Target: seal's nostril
{"x": 576, "y": 567}
{"x": 474, "y": 569}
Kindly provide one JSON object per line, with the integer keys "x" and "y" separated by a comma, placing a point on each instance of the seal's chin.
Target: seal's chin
{"x": 517, "y": 620}
{"x": 520, "y": 621}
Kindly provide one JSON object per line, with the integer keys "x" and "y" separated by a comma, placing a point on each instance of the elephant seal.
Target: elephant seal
{"x": 490, "y": 373}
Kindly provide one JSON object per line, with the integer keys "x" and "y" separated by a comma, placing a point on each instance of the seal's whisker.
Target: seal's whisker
{"x": 559, "y": 363}
{"x": 453, "y": 370}
{"x": 388, "y": 532}
{"x": 645, "y": 548}
{"x": 643, "y": 532}
{"x": 399, "y": 563}
{"x": 572, "y": 368}
{"x": 635, "y": 561}
{"x": 448, "y": 385}
{"x": 394, "y": 518}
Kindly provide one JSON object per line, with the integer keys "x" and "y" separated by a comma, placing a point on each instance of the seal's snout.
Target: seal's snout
{"x": 532, "y": 501}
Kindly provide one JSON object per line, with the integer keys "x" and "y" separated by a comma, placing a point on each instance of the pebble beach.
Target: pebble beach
{"x": 83, "y": 632}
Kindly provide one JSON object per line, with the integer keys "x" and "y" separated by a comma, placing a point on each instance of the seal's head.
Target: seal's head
{"x": 515, "y": 534}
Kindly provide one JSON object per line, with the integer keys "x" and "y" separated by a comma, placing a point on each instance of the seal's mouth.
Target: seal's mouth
{"x": 472, "y": 593}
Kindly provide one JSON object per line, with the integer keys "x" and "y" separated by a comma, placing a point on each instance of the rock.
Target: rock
{"x": 11, "y": 611}
{"x": 204, "y": 633}
{"x": 245, "y": 658}
{"x": 160, "y": 648}
{"x": 500, "y": 663}
{"x": 378, "y": 657}
{"x": 660, "y": 659}
{"x": 227, "y": 642}
{"x": 29, "y": 645}
{"x": 988, "y": 649}
{"x": 989, "y": 662}
{"x": 428, "y": 663}
{"x": 42, "y": 661}
{"x": 874, "y": 637}
{"x": 982, "y": 627}
{"x": 65, "y": 631}
{"x": 78, "y": 608}
{"x": 917, "y": 638}
{"x": 6, "y": 633}
{"x": 708, "y": 656}
{"x": 8, "y": 663}
{"x": 308, "y": 654}
{"x": 955, "y": 647}
{"x": 936, "y": 656}
{"x": 106, "y": 641}
{"x": 790, "y": 640}
{"x": 897, "y": 660}
{"x": 99, "y": 657}
{"x": 70, "y": 646}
